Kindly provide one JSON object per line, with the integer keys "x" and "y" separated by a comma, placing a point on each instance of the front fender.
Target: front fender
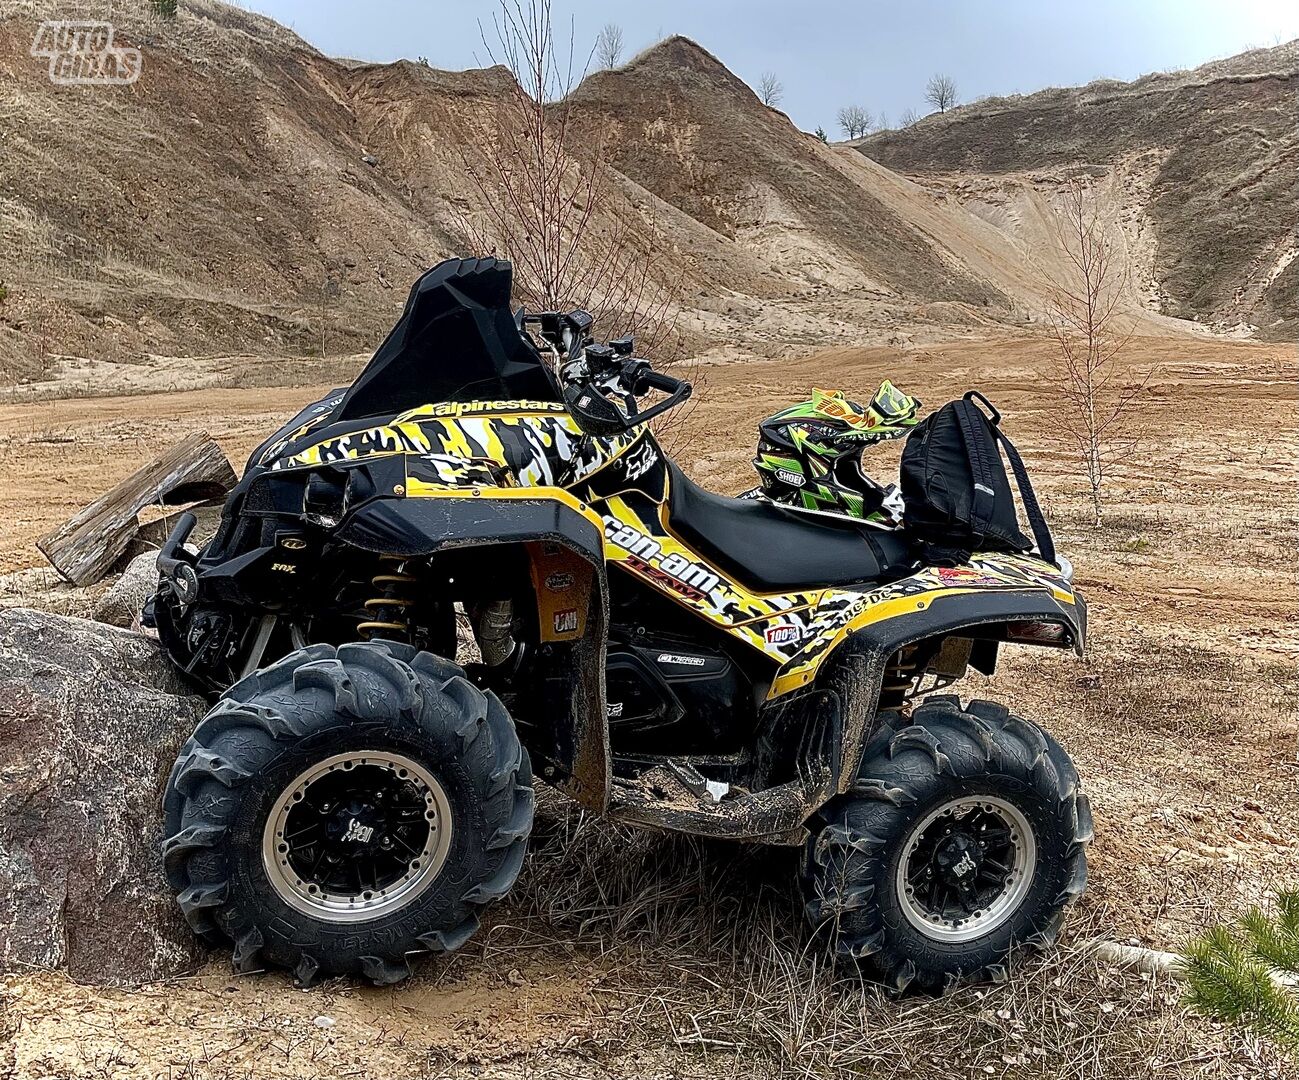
{"x": 424, "y": 522}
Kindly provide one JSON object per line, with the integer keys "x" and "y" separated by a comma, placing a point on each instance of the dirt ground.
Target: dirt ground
{"x": 628, "y": 954}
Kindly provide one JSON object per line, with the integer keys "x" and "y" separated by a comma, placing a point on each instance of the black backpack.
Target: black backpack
{"x": 955, "y": 493}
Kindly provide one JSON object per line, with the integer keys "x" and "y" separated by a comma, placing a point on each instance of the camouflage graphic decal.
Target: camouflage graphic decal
{"x": 441, "y": 470}
{"x": 638, "y": 541}
{"x": 796, "y": 630}
{"x": 537, "y": 443}
{"x": 519, "y": 449}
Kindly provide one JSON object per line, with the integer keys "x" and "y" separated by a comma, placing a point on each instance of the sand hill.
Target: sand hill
{"x": 1199, "y": 169}
{"x": 251, "y": 196}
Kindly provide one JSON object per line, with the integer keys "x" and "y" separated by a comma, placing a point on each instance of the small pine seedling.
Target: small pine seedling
{"x": 1231, "y": 971}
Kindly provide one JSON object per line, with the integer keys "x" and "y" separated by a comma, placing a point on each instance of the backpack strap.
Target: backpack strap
{"x": 1032, "y": 510}
{"x": 1036, "y": 519}
{"x": 983, "y": 496}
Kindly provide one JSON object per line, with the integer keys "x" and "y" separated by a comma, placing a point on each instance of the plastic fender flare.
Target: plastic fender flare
{"x": 420, "y": 526}
{"x": 854, "y": 670}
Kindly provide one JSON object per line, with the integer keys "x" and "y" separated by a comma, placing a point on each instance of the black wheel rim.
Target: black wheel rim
{"x": 966, "y": 868}
{"x": 357, "y": 836}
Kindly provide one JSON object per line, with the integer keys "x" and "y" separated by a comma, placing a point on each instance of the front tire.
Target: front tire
{"x": 961, "y": 843}
{"x": 345, "y": 809}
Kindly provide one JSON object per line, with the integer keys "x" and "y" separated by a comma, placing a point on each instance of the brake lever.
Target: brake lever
{"x": 642, "y": 377}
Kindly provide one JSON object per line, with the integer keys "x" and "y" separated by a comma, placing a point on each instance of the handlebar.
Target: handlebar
{"x": 656, "y": 380}
{"x": 597, "y": 414}
{"x": 591, "y": 372}
{"x": 647, "y": 379}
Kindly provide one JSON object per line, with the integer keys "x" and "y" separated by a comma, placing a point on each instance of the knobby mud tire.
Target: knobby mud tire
{"x": 912, "y": 765}
{"x": 313, "y": 704}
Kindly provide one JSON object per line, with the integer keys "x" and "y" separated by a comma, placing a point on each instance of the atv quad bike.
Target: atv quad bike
{"x": 665, "y": 656}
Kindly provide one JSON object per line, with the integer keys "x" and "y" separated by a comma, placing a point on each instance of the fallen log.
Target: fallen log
{"x": 1134, "y": 957}
{"x": 84, "y": 548}
{"x": 1155, "y": 962}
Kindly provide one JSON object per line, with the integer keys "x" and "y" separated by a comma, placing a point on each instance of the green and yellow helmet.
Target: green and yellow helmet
{"x": 809, "y": 455}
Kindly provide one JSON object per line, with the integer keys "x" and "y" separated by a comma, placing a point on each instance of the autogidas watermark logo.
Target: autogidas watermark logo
{"x": 84, "y": 54}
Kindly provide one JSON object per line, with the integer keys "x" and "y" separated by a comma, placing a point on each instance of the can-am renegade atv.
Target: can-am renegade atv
{"x": 666, "y": 656}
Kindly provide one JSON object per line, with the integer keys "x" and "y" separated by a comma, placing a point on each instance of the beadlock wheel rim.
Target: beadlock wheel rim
{"x": 406, "y": 806}
{"x": 1000, "y": 878}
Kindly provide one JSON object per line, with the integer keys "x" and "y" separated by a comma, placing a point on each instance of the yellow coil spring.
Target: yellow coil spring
{"x": 898, "y": 679}
{"x": 387, "y": 611}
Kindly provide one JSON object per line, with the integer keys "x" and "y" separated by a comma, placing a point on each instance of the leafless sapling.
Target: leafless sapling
{"x": 1097, "y": 390}
{"x": 550, "y": 202}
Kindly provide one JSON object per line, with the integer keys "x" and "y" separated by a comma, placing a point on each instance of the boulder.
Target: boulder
{"x": 91, "y": 719}
{"x": 121, "y": 604}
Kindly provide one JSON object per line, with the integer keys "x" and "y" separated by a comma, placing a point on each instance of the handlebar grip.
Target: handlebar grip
{"x": 656, "y": 380}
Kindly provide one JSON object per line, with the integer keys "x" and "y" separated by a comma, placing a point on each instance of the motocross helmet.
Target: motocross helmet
{"x": 809, "y": 456}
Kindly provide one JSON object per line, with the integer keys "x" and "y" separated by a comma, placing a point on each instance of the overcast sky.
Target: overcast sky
{"x": 831, "y": 52}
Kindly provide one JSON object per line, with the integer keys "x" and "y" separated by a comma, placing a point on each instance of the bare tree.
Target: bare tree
{"x": 908, "y": 118}
{"x": 549, "y": 201}
{"x": 854, "y": 120}
{"x": 770, "y": 89}
{"x": 1097, "y": 388}
{"x": 608, "y": 46}
{"x": 881, "y": 122}
{"x": 43, "y": 336}
{"x": 940, "y": 92}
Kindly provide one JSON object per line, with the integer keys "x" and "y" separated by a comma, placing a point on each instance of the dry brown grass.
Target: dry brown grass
{"x": 708, "y": 955}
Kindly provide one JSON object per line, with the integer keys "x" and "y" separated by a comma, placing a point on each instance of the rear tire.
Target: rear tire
{"x": 960, "y": 844}
{"x": 345, "y": 809}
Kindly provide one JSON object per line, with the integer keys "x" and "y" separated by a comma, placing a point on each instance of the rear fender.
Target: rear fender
{"x": 564, "y": 542}
{"x": 847, "y": 665}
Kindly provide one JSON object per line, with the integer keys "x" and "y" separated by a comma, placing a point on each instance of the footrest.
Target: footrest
{"x": 666, "y": 797}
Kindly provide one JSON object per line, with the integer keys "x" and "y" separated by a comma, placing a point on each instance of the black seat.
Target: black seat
{"x": 767, "y": 549}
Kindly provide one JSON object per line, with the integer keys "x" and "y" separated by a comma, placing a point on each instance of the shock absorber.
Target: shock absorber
{"x": 898, "y": 679}
{"x": 387, "y": 610}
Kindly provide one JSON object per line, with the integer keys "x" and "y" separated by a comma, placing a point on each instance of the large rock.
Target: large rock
{"x": 122, "y": 603}
{"x": 91, "y": 718}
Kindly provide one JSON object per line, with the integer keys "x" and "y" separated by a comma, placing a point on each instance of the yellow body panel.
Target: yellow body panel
{"x": 523, "y": 450}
